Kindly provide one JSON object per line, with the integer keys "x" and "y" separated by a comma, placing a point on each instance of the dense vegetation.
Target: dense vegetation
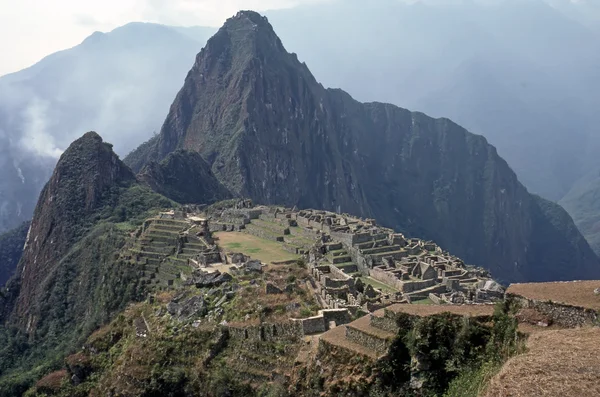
{"x": 89, "y": 286}
{"x": 11, "y": 250}
{"x": 186, "y": 355}
{"x": 71, "y": 279}
{"x": 447, "y": 355}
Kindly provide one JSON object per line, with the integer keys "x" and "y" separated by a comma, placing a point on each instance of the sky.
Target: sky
{"x": 32, "y": 29}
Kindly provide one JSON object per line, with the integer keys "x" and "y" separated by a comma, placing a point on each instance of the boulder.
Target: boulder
{"x": 173, "y": 308}
{"x": 492, "y": 286}
{"x": 194, "y": 306}
{"x": 273, "y": 289}
{"x": 212, "y": 279}
{"x": 238, "y": 258}
{"x": 221, "y": 301}
{"x": 253, "y": 266}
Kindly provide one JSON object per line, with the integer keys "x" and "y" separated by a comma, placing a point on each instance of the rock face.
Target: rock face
{"x": 83, "y": 182}
{"x": 11, "y": 250}
{"x": 583, "y": 204}
{"x": 185, "y": 178}
{"x": 271, "y": 132}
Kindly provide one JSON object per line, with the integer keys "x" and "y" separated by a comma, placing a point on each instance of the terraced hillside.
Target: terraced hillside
{"x": 373, "y": 334}
{"x": 163, "y": 251}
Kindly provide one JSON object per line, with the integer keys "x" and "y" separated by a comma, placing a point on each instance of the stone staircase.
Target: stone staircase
{"x": 192, "y": 247}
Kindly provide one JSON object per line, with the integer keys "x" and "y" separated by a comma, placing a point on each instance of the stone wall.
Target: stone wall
{"x": 413, "y": 286}
{"x": 312, "y": 325}
{"x": 384, "y": 323}
{"x": 561, "y": 314}
{"x": 340, "y": 316}
{"x": 387, "y": 278}
{"x": 253, "y": 213}
{"x": 358, "y": 258}
{"x": 266, "y": 332}
{"x": 344, "y": 238}
{"x": 338, "y": 274}
{"x": 369, "y": 341}
{"x": 319, "y": 324}
{"x": 404, "y": 286}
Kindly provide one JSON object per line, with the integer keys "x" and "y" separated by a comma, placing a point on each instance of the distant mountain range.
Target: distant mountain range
{"x": 521, "y": 73}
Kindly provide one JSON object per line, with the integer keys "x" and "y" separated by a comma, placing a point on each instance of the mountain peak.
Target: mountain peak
{"x": 84, "y": 183}
{"x": 246, "y": 33}
{"x": 248, "y": 16}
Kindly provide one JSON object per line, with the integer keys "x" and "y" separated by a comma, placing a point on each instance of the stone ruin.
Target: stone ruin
{"x": 356, "y": 265}
{"x": 349, "y": 249}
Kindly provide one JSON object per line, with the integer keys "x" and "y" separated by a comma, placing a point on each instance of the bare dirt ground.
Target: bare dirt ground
{"x": 575, "y": 293}
{"x": 558, "y": 363}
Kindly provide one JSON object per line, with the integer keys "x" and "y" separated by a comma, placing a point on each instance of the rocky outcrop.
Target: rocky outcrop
{"x": 184, "y": 177}
{"x": 271, "y": 132}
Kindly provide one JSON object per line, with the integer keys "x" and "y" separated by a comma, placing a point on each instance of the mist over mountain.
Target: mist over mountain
{"x": 120, "y": 82}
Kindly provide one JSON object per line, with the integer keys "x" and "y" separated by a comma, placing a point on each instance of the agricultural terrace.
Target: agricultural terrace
{"x": 574, "y": 293}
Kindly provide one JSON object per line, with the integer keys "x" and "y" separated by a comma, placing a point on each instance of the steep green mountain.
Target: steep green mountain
{"x": 583, "y": 204}
{"x": 11, "y": 249}
{"x": 271, "y": 132}
{"x": 70, "y": 279}
{"x": 184, "y": 177}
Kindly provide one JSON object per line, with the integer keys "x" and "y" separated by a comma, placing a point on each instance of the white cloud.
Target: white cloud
{"x": 36, "y": 137}
{"x": 32, "y": 29}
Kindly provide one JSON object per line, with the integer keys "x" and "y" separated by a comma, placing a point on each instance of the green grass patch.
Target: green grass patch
{"x": 425, "y": 301}
{"x": 376, "y": 284}
{"x": 264, "y": 250}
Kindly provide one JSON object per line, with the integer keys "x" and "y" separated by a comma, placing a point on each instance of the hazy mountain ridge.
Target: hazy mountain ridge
{"x": 583, "y": 203}
{"x": 271, "y": 132}
{"x": 119, "y": 82}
